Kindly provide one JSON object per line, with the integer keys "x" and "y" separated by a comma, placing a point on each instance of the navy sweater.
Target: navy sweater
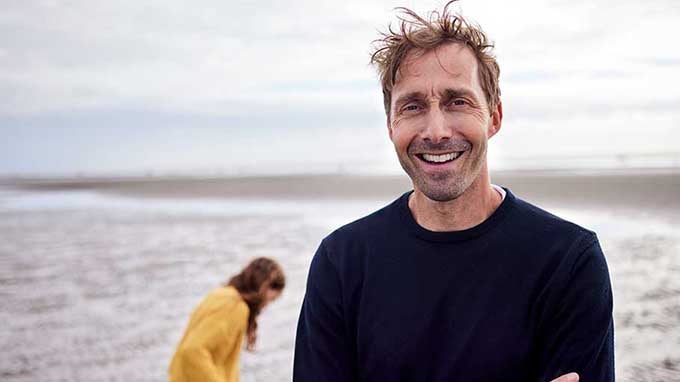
{"x": 523, "y": 296}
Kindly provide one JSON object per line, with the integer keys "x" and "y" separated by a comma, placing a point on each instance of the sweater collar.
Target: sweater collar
{"x": 450, "y": 236}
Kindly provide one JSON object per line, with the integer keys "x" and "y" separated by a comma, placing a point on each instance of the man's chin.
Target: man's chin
{"x": 441, "y": 196}
{"x": 439, "y": 187}
{"x": 440, "y": 193}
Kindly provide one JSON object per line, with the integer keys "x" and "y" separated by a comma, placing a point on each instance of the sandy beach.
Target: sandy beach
{"x": 99, "y": 275}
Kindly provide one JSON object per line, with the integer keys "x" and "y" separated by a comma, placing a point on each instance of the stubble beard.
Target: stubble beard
{"x": 445, "y": 187}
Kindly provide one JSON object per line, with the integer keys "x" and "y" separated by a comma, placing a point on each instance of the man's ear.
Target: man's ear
{"x": 495, "y": 122}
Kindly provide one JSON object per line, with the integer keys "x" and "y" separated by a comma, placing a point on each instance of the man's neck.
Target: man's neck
{"x": 471, "y": 208}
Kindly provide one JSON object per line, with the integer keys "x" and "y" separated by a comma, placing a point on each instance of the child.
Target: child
{"x": 211, "y": 346}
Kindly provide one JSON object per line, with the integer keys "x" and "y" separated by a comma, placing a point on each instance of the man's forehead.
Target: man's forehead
{"x": 453, "y": 58}
{"x": 437, "y": 73}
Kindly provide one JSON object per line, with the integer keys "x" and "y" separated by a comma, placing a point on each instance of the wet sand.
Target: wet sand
{"x": 655, "y": 189}
{"x": 98, "y": 276}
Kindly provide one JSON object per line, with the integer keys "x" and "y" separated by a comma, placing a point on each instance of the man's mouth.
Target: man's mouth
{"x": 440, "y": 158}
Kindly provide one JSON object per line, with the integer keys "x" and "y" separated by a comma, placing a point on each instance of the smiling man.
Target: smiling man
{"x": 459, "y": 279}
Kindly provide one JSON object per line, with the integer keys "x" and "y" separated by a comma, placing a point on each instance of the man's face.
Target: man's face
{"x": 440, "y": 122}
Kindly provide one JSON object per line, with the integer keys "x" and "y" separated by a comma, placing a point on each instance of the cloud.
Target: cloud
{"x": 170, "y": 54}
{"x": 175, "y": 56}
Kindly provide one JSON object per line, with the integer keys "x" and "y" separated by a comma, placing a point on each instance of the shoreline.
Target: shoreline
{"x": 650, "y": 189}
{"x": 144, "y": 177}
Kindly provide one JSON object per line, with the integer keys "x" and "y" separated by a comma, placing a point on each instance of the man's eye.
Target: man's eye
{"x": 411, "y": 107}
{"x": 459, "y": 102}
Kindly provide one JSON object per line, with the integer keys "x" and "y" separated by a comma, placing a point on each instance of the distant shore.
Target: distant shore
{"x": 651, "y": 189}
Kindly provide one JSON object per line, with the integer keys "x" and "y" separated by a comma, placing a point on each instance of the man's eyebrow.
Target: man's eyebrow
{"x": 449, "y": 93}
{"x": 446, "y": 95}
{"x": 409, "y": 97}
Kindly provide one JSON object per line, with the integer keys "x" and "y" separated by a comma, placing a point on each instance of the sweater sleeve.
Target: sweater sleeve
{"x": 217, "y": 330}
{"x": 576, "y": 330}
{"x": 322, "y": 346}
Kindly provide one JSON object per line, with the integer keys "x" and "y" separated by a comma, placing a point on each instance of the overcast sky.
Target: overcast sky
{"x": 100, "y": 87}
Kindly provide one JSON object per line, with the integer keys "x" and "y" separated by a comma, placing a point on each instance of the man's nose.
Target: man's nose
{"x": 436, "y": 129}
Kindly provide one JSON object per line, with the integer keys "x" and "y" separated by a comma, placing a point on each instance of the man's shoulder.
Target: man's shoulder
{"x": 550, "y": 244}
{"x": 537, "y": 220}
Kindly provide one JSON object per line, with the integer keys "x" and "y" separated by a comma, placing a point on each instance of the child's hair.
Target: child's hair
{"x": 252, "y": 283}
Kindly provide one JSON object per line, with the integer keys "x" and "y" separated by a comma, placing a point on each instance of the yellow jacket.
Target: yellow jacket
{"x": 211, "y": 346}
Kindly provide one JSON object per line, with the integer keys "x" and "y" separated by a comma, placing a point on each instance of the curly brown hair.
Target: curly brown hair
{"x": 420, "y": 35}
{"x": 252, "y": 284}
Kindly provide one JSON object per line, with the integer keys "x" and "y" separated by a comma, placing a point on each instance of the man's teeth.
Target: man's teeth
{"x": 441, "y": 158}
